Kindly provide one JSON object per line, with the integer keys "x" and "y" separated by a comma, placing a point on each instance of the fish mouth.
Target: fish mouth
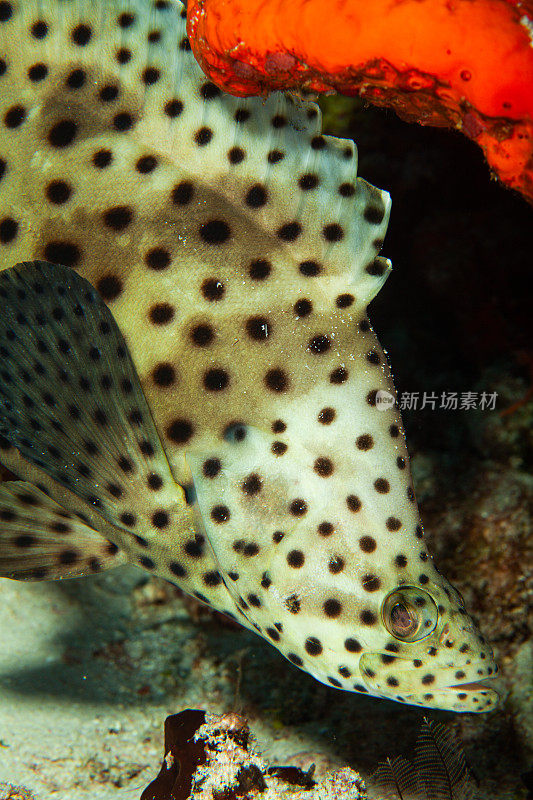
{"x": 435, "y": 685}
{"x": 472, "y": 685}
{"x": 472, "y": 697}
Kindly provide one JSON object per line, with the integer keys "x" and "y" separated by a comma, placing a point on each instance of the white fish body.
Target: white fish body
{"x": 219, "y": 423}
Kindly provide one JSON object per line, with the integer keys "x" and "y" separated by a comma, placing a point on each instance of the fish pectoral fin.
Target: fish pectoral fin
{"x": 71, "y": 400}
{"x": 40, "y": 540}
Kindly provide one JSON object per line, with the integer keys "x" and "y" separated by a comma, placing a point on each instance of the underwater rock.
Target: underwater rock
{"x": 182, "y": 756}
{"x": 210, "y": 757}
{"x": 521, "y": 697}
{"x": 467, "y": 65}
{"x": 484, "y": 527}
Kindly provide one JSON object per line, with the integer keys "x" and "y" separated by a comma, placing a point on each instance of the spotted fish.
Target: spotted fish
{"x": 189, "y": 380}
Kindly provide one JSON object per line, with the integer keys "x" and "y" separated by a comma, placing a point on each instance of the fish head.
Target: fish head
{"x": 436, "y": 656}
{"x": 318, "y": 568}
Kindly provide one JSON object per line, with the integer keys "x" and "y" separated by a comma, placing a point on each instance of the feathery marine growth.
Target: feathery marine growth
{"x": 189, "y": 380}
{"x": 437, "y": 772}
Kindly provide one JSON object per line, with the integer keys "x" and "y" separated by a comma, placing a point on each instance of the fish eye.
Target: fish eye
{"x": 409, "y": 614}
{"x": 403, "y": 621}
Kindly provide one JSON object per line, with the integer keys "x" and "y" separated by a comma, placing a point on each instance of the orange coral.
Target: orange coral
{"x": 461, "y": 63}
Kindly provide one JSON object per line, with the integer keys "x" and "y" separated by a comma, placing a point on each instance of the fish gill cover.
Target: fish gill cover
{"x": 188, "y": 374}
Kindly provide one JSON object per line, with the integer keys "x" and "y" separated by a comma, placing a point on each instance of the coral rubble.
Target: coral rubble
{"x": 210, "y": 757}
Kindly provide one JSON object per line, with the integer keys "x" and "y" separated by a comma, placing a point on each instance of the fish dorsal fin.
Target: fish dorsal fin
{"x": 118, "y": 98}
{"x": 41, "y": 540}
{"x": 70, "y": 399}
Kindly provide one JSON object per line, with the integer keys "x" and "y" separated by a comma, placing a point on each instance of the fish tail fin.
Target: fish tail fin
{"x": 40, "y": 540}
